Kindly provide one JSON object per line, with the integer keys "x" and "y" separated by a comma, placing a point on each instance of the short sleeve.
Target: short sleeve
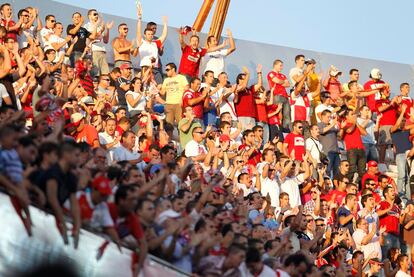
{"x": 203, "y": 52}
{"x": 135, "y": 227}
{"x": 158, "y": 43}
{"x": 191, "y": 149}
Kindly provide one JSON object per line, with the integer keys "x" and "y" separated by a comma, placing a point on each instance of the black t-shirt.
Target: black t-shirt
{"x": 121, "y": 93}
{"x": 67, "y": 182}
{"x": 82, "y": 35}
{"x": 8, "y": 81}
{"x": 401, "y": 140}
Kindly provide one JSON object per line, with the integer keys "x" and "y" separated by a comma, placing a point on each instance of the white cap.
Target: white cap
{"x": 376, "y": 74}
{"x": 166, "y": 215}
{"x": 333, "y": 71}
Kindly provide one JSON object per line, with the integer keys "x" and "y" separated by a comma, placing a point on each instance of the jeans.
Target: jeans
{"x": 246, "y": 121}
{"x": 333, "y": 166}
{"x": 74, "y": 57}
{"x": 265, "y": 131}
{"x": 390, "y": 241}
{"x": 357, "y": 163}
{"x": 371, "y": 152}
{"x": 401, "y": 160}
{"x": 286, "y": 121}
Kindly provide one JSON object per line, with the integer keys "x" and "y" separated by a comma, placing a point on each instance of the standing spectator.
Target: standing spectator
{"x": 226, "y": 96}
{"x": 84, "y": 132}
{"x": 98, "y": 43}
{"x": 325, "y": 105}
{"x": 194, "y": 98}
{"x": 406, "y": 99}
{"x": 194, "y": 149}
{"x": 12, "y": 28}
{"x": 353, "y": 77}
{"x": 347, "y": 213}
{"x": 126, "y": 152}
{"x": 313, "y": 145}
{"x": 149, "y": 47}
{"x": 368, "y": 211}
{"x": 296, "y": 72}
{"x": 404, "y": 266}
{"x": 372, "y": 173}
{"x": 333, "y": 85}
{"x": 370, "y": 144}
{"x": 173, "y": 88}
{"x": 401, "y": 139}
{"x": 351, "y": 133}
{"x": 192, "y": 54}
{"x": 372, "y": 87}
{"x": 109, "y": 140}
{"x": 251, "y": 147}
{"x": 59, "y": 184}
{"x": 389, "y": 215}
{"x": 214, "y": 61}
{"x": 186, "y": 126}
{"x": 328, "y": 137}
{"x": 123, "y": 84}
{"x": 59, "y": 44}
{"x": 123, "y": 48}
{"x": 294, "y": 144}
{"x": 261, "y": 102}
{"x": 244, "y": 97}
{"x": 278, "y": 83}
{"x": 291, "y": 180}
{"x": 136, "y": 99}
{"x": 211, "y": 100}
{"x": 77, "y": 30}
{"x": 407, "y": 222}
{"x": 388, "y": 110}
{"x": 47, "y": 30}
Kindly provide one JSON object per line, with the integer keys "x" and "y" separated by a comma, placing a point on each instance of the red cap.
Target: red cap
{"x": 224, "y": 138}
{"x": 125, "y": 66}
{"x": 101, "y": 184}
{"x": 372, "y": 164}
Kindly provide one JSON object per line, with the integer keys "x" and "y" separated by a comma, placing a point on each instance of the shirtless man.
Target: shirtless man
{"x": 123, "y": 48}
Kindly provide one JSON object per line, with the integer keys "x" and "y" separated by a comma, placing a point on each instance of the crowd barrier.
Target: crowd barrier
{"x": 19, "y": 252}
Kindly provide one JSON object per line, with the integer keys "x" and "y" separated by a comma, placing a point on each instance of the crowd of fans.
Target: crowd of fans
{"x": 218, "y": 177}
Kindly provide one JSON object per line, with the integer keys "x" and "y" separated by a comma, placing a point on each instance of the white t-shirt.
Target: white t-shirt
{"x": 148, "y": 50}
{"x": 312, "y": 145}
{"x": 104, "y": 139}
{"x": 320, "y": 108}
{"x": 291, "y": 187}
{"x": 371, "y": 247}
{"x": 401, "y": 273}
{"x": 56, "y": 39}
{"x": 3, "y": 93}
{"x": 193, "y": 149}
{"x": 123, "y": 154}
{"x": 227, "y": 105}
{"x": 43, "y": 33}
{"x": 140, "y": 106}
{"x": 293, "y": 72}
{"x": 214, "y": 61}
{"x": 97, "y": 44}
{"x": 271, "y": 187}
{"x": 245, "y": 189}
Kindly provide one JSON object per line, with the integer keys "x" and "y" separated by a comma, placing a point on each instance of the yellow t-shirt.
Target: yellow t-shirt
{"x": 174, "y": 88}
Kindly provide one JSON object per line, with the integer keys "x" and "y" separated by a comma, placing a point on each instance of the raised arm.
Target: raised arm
{"x": 139, "y": 25}
{"x": 232, "y": 47}
{"x": 181, "y": 38}
{"x": 259, "y": 77}
{"x": 164, "y": 33}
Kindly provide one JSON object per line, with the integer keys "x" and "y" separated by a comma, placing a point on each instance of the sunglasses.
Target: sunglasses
{"x": 95, "y": 14}
{"x": 309, "y": 220}
{"x": 53, "y": 21}
{"x": 199, "y": 132}
{"x": 320, "y": 225}
{"x": 106, "y": 79}
{"x": 313, "y": 191}
{"x": 125, "y": 29}
{"x": 25, "y": 15}
{"x": 300, "y": 127}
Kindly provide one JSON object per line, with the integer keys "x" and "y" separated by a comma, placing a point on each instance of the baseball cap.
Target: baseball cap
{"x": 375, "y": 74}
{"x": 76, "y": 118}
{"x": 166, "y": 215}
{"x": 88, "y": 100}
{"x": 224, "y": 138}
{"x": 101, "y": 184}
{"x": 125, "y": 66}
{"x": 308, "y": 61}
{"x": 372, "y": 164}
{"x": 375, "y": 260}
{"x": 333, "y": 71}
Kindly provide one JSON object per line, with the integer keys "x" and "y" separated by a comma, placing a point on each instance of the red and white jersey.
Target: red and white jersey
{"x": 98, "y": 216}
{"x": 148, "y": 50}
{"x": 300, "y": 107}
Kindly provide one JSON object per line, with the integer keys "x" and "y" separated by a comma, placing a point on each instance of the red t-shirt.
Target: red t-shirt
{"x": 391, "y": 219}
{"x": 353, "y": 140}
{"x": 12, "y": 34}
{"x": 369, "y": 176}
{"x": 246, "y": 105}
{"x": 389, "y": 116}
{"x": 273, "y": 120}
{"x": 297, "y": 143}
{"x": 371, "y": 85}
{"x": 254, "y": 158}
{"x": 336, "y": 196}
{"x": 407, "y": 101}
{"x": 190, "y": 61}
{"x": 88, "y": 135}
{"x": 279, "y": 89}
{"x": 197, "y": 108}
{"x": 129, "y": 225}
{"x": 261, "y": 114}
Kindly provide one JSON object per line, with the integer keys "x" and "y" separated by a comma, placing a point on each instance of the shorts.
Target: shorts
{"x": 384, "y": 135}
